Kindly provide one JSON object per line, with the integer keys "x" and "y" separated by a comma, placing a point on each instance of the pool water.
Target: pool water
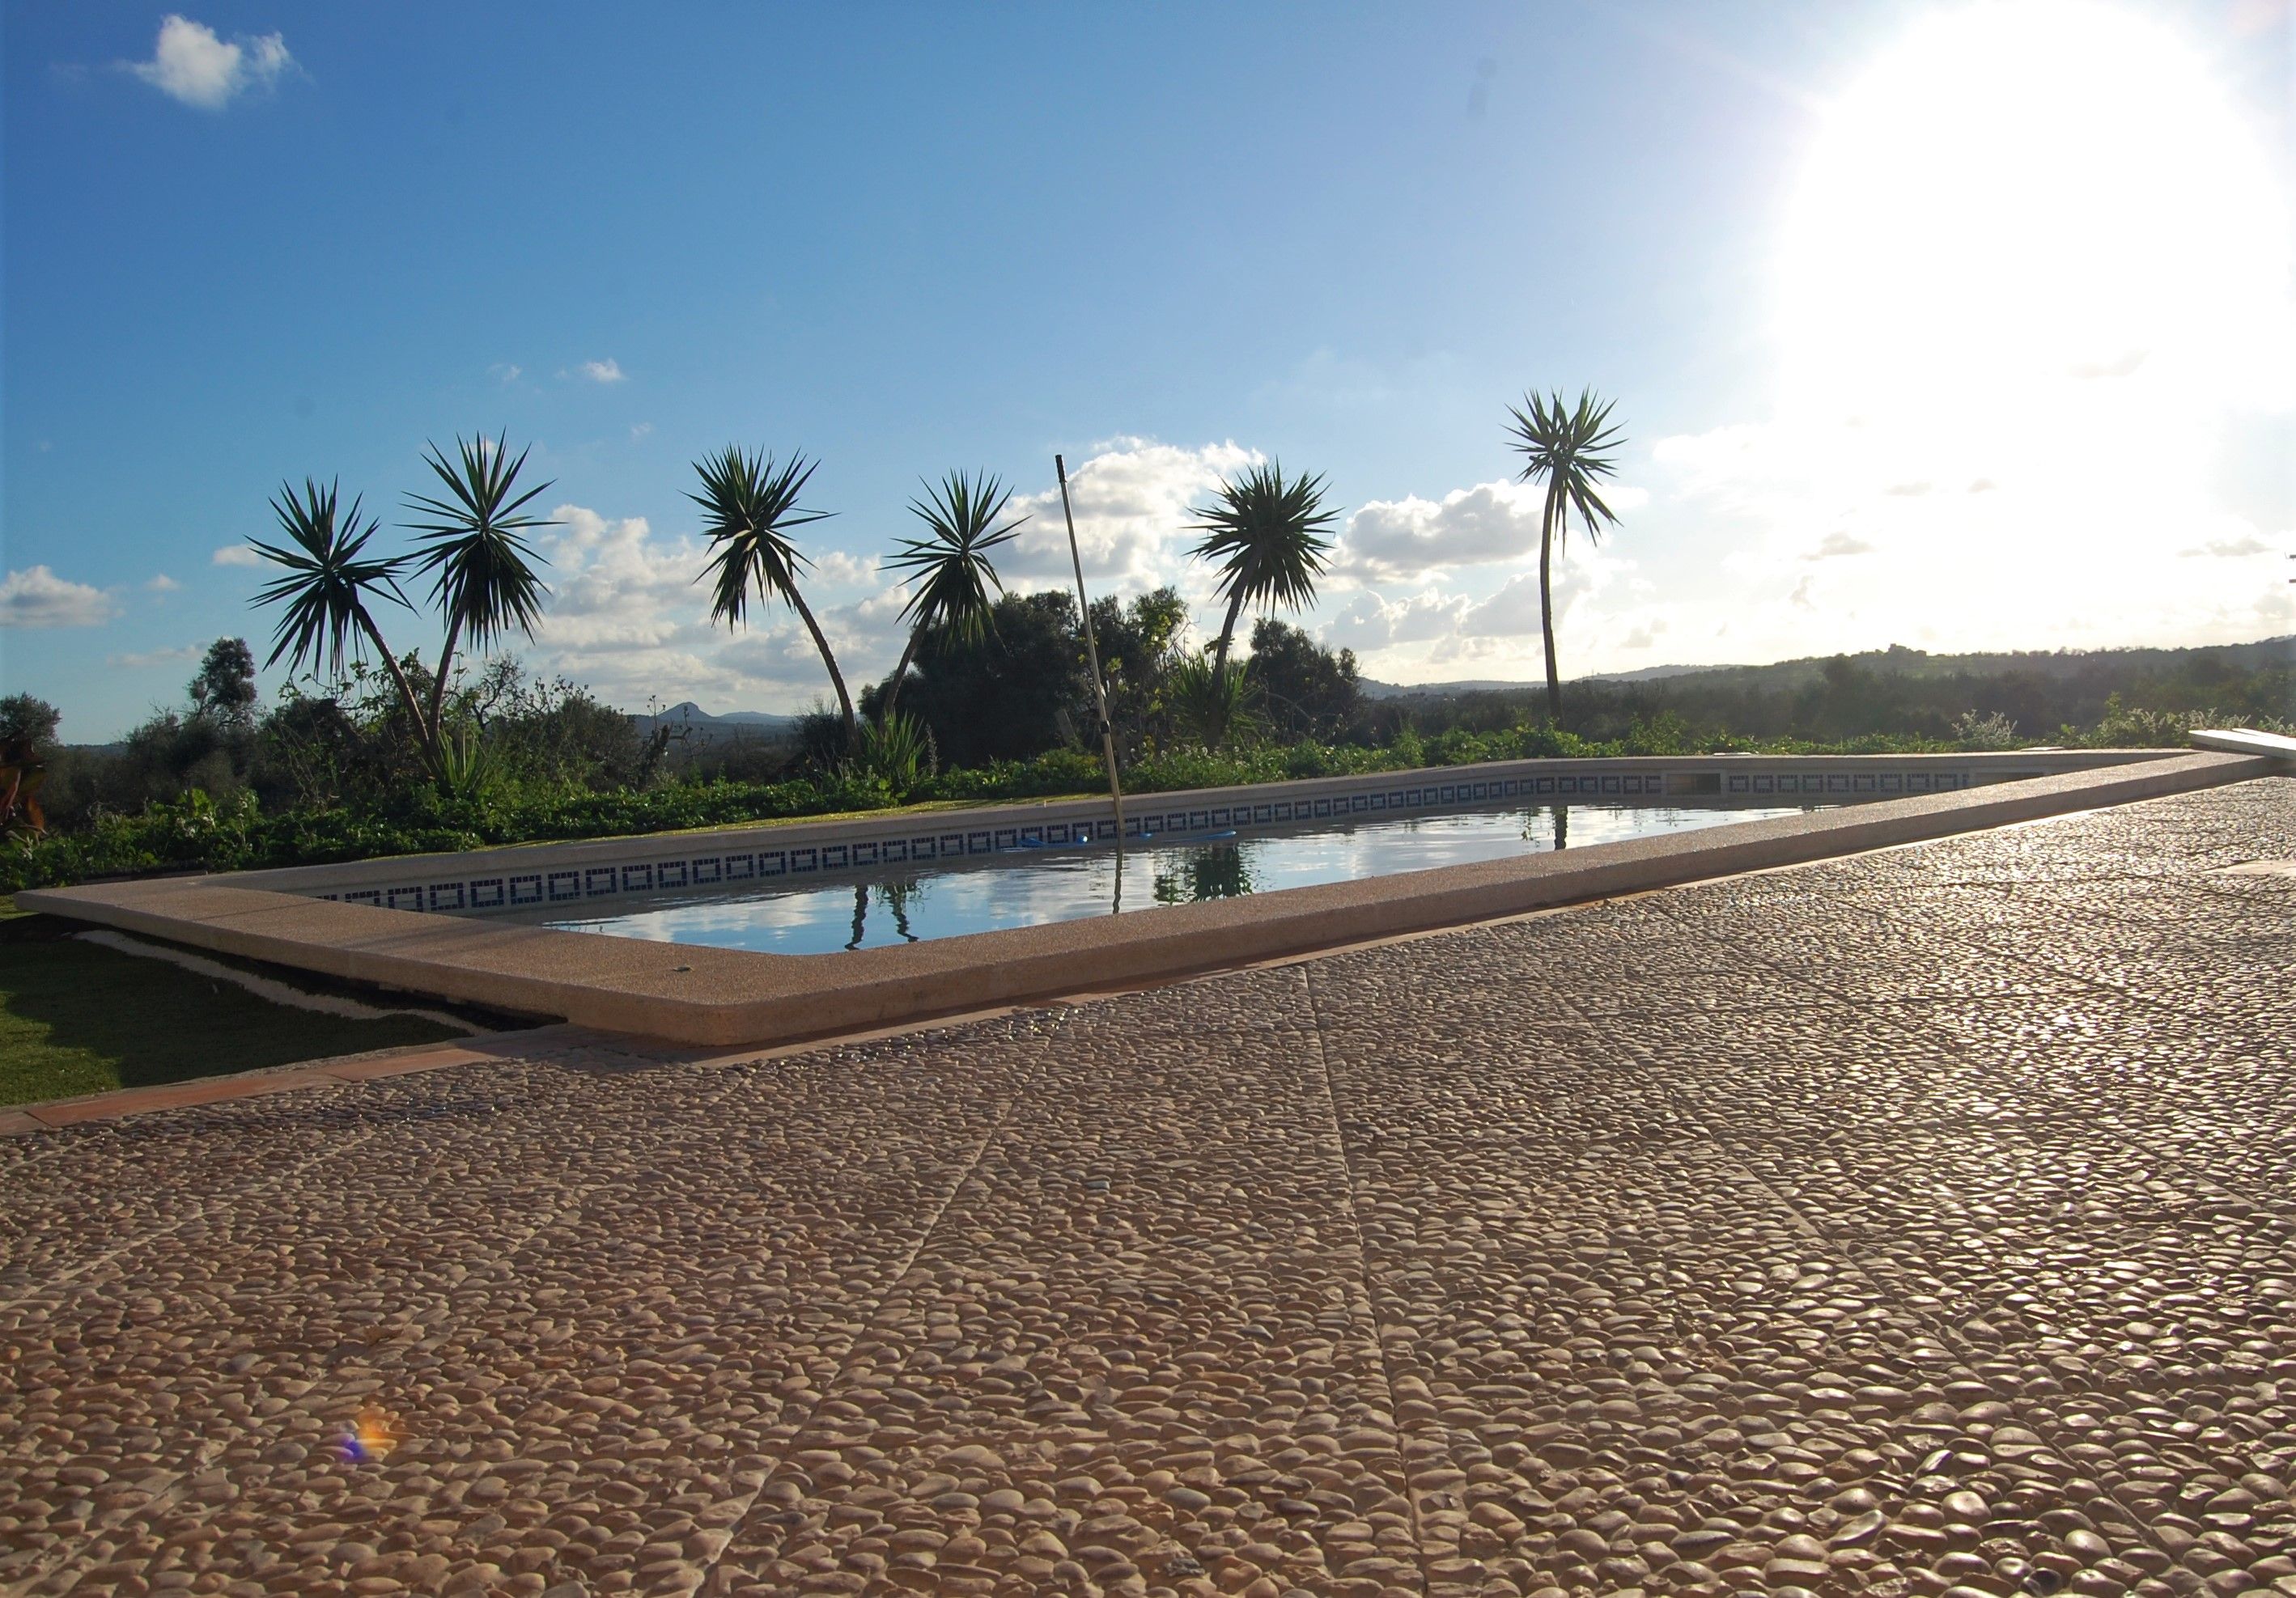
{"x": 890, "y": 904}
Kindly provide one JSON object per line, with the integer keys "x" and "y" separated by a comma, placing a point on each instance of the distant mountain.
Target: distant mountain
{"x": 695, "y": 725}
{"x": 1897, "y": 660}
{"x": 1376, "y": 690}
{"x": 1650, "y": 673}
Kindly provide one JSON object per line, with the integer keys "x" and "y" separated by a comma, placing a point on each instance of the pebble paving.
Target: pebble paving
{"x": 1919, "y": 1223}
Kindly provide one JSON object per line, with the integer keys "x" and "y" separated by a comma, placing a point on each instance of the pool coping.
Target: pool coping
{"x": 696, "y": 994}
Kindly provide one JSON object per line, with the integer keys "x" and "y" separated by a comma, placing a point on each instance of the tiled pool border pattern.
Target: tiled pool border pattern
{"x": 539, "y": 877}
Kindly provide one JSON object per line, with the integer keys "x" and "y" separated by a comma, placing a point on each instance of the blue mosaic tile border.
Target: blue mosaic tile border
{"x": 574, "y": 885}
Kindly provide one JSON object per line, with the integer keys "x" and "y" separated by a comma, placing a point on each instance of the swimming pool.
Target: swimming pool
{"x": 891, "y": 905}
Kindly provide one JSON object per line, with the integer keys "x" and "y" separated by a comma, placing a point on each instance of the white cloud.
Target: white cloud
{"x": 639, "y": 429}
{"x": 1134, "y": 500}
{"x": 161, "y": 584}
{"x": 36, "y": 597}
{"x": 1513, "y": 611}
{"x": 2231, "y": 549}
{"x": 1371, "y": 624}
{"x": 836, "y": 568}
{"x": 158, "y": 657}
{"x": 190, "y": 64}
{"x": 505, "y": 372}
{"x": 608, "y": 371}
{"x": 1469, "y": 527}
{"x": 235, "y": 555}
{"x": 1835, "y": 545}
{"x": 628, "y": 618}
{"x": 2065, "y": 533}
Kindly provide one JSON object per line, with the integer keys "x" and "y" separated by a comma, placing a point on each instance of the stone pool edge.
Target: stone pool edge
{"x": 716, "y": 997}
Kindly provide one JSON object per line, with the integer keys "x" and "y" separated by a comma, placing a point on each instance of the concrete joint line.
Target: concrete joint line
{"x": 708, "y": 1571}
{"x": 66, "y": 1555}
{"x": 309, "y": 1400}
{"x": 1368, "y": 1306}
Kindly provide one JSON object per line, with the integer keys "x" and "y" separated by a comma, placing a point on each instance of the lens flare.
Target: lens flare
{"x": 370, "y": 1438}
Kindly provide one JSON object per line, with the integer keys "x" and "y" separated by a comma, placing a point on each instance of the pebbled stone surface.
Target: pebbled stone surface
{"x": 1922, "y": 1223}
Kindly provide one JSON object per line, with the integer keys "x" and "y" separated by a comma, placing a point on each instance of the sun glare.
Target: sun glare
{"x": 2023, "y": 205}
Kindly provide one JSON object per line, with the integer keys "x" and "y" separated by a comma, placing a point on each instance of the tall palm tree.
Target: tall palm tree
{"x": 1266, "y": 534}
{"x": 481, "y": 566}
{"x": 750, "y": 506}
{"x": 951, "y": 567}
{"x": 329, "y": 580}
{"x": 1570, "y": 447}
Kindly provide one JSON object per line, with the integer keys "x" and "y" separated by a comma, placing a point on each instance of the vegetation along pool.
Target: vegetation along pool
{"x": 868, "y": 908}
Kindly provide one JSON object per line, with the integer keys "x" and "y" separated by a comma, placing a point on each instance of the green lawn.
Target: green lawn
{"x": 79, "y": 1019}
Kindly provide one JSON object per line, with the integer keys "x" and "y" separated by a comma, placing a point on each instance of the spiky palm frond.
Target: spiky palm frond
{"x": 750, "y": 506}
{"x": 1264, "y": 532}
{"x": 484, "y": 580}
{"x": 328, "y": 579}
{"x": 953, "y": 571}
{"x": 1568, "y": 446}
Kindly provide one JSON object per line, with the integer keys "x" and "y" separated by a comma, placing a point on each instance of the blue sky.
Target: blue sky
{"x": 1843, "y": 285}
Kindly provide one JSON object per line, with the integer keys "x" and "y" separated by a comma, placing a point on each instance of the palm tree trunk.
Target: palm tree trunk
{"x": 1220, "y": 656}
{"x": 901, "y": 675}
{"x": 1546, "y": 609}
{"x": 836, "y": 677}
{"x": 407, "y": 694}
{"x": 1228, "y": 632}
{"x": 437, "y": 732}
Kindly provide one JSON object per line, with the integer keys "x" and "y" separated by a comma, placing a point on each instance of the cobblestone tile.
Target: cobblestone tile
{"x": 1911, "y": 1224}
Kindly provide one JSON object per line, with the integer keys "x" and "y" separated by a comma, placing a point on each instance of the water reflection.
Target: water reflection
{"x": 1558, "y": 826}
{"x": 1216, "y": 871}
{"x": 1065, "y": 884}
{"x": 895, "y": 896}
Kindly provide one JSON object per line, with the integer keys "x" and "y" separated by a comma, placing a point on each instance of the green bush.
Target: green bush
{"x": 198, "y": 832}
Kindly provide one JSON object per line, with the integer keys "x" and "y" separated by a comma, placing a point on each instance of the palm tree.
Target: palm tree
{"x": 329, "y": 580}
{"x": 1570, "y": 446}
{"x": 484, "y": 580}
{"x": 952, "y": 569}
{"x": 1265, "y": 533}
{"x": 751, "y": 505}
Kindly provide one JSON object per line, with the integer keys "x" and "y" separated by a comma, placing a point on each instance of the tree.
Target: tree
{"x": 28, "y": 737}
{"x": 1265, "y": 533}
{"x": 482, "y": 572}
{"x": 1140, "y": 645}
{"x": 951, "y": 568}
{"x": 223, "y": 691}
{"x": 484, "y": 580}
{"x": 1014, "y": 691}
{"x": 750, "y": 506}
{"x": 21, "y": 715}
{"x": 1309, "y": 691}
{"x": 329, "y": 579}
{"x": 1569, "y": 447}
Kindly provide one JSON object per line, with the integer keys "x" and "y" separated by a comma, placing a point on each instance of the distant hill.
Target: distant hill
{"x": 1897, "y": 660}
{"x": 1648, "y": 674}
{"x": 1901, "y": 692}
{"x": 695, "y": 726}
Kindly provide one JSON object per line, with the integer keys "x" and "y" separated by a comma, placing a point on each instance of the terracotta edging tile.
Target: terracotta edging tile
{"x": 20, "y": 1120}
{"x": 172, "y": 1095}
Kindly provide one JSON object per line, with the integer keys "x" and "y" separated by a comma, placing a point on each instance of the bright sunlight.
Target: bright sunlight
{"x": 2035, "y": 263}
{"x": 2028, "y": 193}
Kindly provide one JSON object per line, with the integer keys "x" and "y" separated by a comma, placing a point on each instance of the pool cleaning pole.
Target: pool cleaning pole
{"x": 1091, "y": 652}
